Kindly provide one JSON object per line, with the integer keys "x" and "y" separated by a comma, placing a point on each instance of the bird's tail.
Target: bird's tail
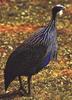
{"x": 6, "y": 81}
{"x": 8, "y": 77}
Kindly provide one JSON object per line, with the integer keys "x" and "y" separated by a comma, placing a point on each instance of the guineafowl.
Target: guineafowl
{"x": 34, "y": 53}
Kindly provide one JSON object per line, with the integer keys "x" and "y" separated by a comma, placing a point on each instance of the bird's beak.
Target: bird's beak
{"x": 63, "y": 8}
{"x": 61, "y": 11}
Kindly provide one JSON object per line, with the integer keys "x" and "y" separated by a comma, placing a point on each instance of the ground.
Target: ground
{"x": 18, "y": 20}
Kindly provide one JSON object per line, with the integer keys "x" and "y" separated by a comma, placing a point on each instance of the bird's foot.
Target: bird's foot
{"x": 28, "y": 94}
{"x": 22, "y": 91}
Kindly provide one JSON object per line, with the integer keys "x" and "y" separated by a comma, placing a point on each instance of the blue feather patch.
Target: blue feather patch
{"x": 46, "y": 60}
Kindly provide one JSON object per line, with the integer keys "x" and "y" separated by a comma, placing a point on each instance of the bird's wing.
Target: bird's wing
{"x": 27, "y": 57}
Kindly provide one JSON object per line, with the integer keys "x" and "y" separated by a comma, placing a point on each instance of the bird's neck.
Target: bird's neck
{"x": 54, "y": 16}
{"x": 52, "y": 22}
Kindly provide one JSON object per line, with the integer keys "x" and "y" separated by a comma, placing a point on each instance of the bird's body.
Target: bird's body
{"x": 32, "y": 55}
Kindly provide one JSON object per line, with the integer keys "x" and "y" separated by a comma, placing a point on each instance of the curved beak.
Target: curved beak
{"x": 64, "y": 8}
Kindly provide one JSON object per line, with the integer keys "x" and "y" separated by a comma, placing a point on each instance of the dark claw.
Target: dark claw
{"x": 22, "y": 91}
{"x": 28, "y": 94}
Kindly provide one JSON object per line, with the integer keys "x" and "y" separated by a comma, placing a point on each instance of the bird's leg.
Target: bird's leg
{"x": 20, "y": 82}
{"x": 29, "y": 86}
{"x": 21, "y": 87}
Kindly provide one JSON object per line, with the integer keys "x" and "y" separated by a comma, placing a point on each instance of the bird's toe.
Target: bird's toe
{"x": 22, "y": 91}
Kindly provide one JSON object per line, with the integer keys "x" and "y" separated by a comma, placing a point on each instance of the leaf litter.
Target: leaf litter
{"x": 55, "y": 81}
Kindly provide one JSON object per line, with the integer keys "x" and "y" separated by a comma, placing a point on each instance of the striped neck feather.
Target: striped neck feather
{"x": 41, "y": 36}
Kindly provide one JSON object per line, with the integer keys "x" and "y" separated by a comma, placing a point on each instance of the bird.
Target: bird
{"x": 34, "y": 53}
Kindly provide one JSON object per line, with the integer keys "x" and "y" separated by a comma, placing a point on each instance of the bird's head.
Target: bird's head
{"x": 58, "y": 9}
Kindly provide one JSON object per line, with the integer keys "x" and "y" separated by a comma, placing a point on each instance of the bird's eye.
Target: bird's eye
{"x": 60, "y": 12}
